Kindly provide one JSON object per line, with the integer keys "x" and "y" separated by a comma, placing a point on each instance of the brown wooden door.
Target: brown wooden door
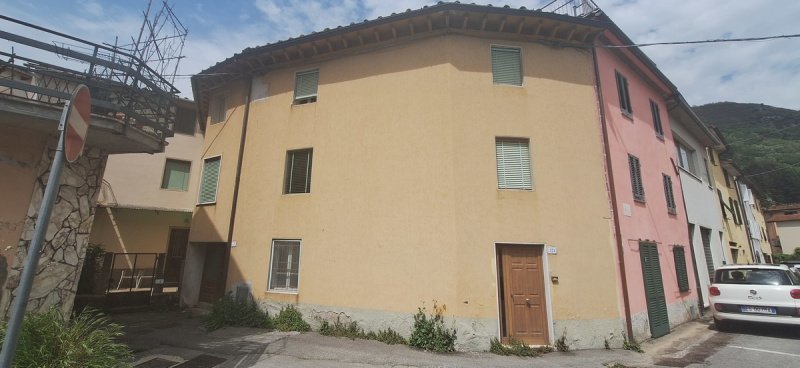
{"x": 212, "y": 287}
{"x": 524, "y": 304}
{"x": 176, "y": 253}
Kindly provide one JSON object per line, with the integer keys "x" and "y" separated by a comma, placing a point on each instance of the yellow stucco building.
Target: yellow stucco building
{"x": 430, "y": 156}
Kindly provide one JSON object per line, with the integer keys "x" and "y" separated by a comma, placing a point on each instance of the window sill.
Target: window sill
{"x": 693, "y": 175}
{"x": 628, "y": 115}
{"x": 175, "y": 190}
{"x": 285, "y": 292}
{"x": 640, "y": 201}
{"x": 206, "y": 204}
{"x": 296, "y": 194}
{"x": 660, "y": 137}
{"x": 304, "y": 101}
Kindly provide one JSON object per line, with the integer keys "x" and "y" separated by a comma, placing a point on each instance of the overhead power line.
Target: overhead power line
{"x": 718, "y": 40}
{"x": 774, "y": 170}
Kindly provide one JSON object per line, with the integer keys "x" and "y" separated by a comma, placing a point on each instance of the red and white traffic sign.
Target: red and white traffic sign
{"x": 77, "y": 123}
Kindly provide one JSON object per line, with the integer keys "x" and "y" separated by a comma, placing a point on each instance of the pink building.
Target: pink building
{"x": 658, "y": 281}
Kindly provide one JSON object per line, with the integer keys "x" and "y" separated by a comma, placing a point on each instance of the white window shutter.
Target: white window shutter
{"x": 513, "y": 164}
{"x": 506, "y": 66}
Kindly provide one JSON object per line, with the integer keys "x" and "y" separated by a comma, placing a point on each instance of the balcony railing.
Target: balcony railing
{"x": 575, "y": 8}
{"x": 45, "y": 66}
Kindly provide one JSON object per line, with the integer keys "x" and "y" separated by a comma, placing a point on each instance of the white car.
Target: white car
{"x": 755, "y": 293}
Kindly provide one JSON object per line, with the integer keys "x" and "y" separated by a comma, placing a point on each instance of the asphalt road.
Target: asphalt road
{"x": 749, "y": 345}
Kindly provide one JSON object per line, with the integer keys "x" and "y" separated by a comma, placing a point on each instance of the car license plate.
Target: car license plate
{"x": 762, "y": 310}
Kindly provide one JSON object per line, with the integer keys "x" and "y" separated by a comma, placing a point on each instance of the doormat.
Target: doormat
{"x": 201, "y": 361}
{"x": 156, "y": 363}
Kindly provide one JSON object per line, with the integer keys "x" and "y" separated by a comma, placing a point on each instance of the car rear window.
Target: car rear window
{"x": 754, "y": 276}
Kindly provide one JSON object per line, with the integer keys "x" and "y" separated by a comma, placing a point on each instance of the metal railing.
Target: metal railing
{"x": 45, "y": 66}
{"x": 575, "y": 8}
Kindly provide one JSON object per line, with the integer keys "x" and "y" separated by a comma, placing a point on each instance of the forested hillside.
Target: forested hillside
{"x": 764, "y": 143}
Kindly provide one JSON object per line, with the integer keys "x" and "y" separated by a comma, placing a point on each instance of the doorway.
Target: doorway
{"x": 176, "y": 254}
{"x": 523, "y": 304}
{"x": 212, "y": 286}
{"x": 654, "y": 289}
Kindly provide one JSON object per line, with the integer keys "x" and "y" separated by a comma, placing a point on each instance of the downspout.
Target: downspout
{"x": 242, "y": 141}
{"x": 620, "y": 255}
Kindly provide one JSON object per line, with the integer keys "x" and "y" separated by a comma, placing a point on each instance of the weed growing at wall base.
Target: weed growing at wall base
{"x": 429, "y": 332}
{"x": 290, "y": 319}
{"x": 353, "y": 331}
{"x": 516, "y": 347}
{"x": 229, "y": 312}
{"x": 88, "y": 340}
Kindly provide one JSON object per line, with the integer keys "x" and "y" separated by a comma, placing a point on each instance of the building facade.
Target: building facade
{"x": 783, "y": 227}
{"x": 693, "y": 141}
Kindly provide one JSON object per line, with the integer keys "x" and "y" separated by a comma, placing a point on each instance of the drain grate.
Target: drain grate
{"x": 201, "y": 361}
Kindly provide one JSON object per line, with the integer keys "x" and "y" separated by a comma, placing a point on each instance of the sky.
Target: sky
{"x": 758, "y": 72}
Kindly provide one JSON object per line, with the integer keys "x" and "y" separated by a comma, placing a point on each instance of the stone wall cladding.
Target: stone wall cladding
{"x": 67, "y": 235}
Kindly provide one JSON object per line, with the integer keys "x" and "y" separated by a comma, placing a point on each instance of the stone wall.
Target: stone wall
{"x": 67, "y": 235}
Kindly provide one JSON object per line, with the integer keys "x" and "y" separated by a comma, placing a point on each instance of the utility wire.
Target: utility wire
{"x": 718, "y": 40}
{"x": 772, "y": 171}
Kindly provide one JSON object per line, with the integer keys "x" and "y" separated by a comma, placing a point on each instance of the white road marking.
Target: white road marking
{"x": 764, "y": 351}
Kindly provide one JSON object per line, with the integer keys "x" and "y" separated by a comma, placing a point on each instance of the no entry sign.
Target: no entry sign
{"x": 77, "y": 123}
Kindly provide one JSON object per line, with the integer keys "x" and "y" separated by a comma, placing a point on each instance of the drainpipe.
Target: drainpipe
{"x": 620, "y": 255}
{"x": 242, "y": 141}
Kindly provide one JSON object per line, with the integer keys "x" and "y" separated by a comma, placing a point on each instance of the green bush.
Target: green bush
{"x": 430, "y": 333}
{"x": 631, "y": 344}
{"x": 228, "y": 312}
{"x": 353, "y": 331}
{"x": 290, "y": 319}
{"x": 88, "y": 340}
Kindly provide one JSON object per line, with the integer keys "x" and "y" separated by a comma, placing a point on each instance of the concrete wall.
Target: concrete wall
{"x": 20, "y": 153}
{"x": 123, "y": 230}
{"x": 789, "y": 233}
{"x": 650, "y": 219}
{"x": 133, "y": 180}
{"x": 404, "y": 207}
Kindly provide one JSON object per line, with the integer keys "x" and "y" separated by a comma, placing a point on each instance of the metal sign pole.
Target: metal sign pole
{"x": 32, "y": 260}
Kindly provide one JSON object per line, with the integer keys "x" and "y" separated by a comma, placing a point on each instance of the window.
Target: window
{"x": 219, "y": 109}
{"x": 680, "y": 268}
{"x": 506, "y": 65}
{"x": 709, "y": 175}
{"x": 685, "y": 158}
{"x": 723, "y": 205}
{"x": 669, "y": 194}
{"x": 727, "y": 178}
{"x": 711, "y": 156}
{"x": 284, "y": 265}
{"x": 185, "y": 120}
{"x": 624, "y": 97}
{"x": 209, "y": 180}
{"x": 737, "y": 210}
{"x": 297, "y": 178}
{"x": 657, "y": 119}
{"x": 305, "y": 86}
{"x": 636, "y": 178}
{"x": 176, "y": 175}
{"x": 513, "y": 163}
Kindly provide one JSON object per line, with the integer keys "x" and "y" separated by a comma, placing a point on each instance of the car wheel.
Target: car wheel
{"x": 722, "y": 325}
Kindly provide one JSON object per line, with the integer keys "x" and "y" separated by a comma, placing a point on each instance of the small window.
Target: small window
{"x": 285, "y": 265}
{"x": 636, "y": 178}
{"x": 737, "y": 209}
{"x": 506, "y": 65}
{"x": 728, "y": 181}
{"x": 669, "y": 194}
{"x": 305, "y": 86}
{"x": 711, "y": 156}
{"x": 513, "y": 163}
{"x": 219, "y": 109}
{"x": 209, "y": 180}
{"x": 657, "y": 119}
{"x": 624, "y": 97}
{"x": 685, "y": 157}
{"x": 176, "y": 175}
{"x": 259, "y": 89}
{"x": 680, "y": 268}
{"x": 298, "y": 171}
{"x": 185, "y": 120}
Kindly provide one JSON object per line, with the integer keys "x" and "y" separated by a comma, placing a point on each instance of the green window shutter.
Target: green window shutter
{"x": 209, "y": 180}
{"x": 669, "y": 195}
{"x": 622, "y": 91}
{"x": 705, "y": 234}
{"x": 636, "y": 178}
{"x": 680, "y": 268}
{"x": 506, "y": 65}
{"x": 513, "y": 163}
{"x": 656, "y": 119}
{"x": 176, "y": 175}
{"x": 298, "y": 171}
{"x": 654, "y": 289}
{"x": 305, "y": 86}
